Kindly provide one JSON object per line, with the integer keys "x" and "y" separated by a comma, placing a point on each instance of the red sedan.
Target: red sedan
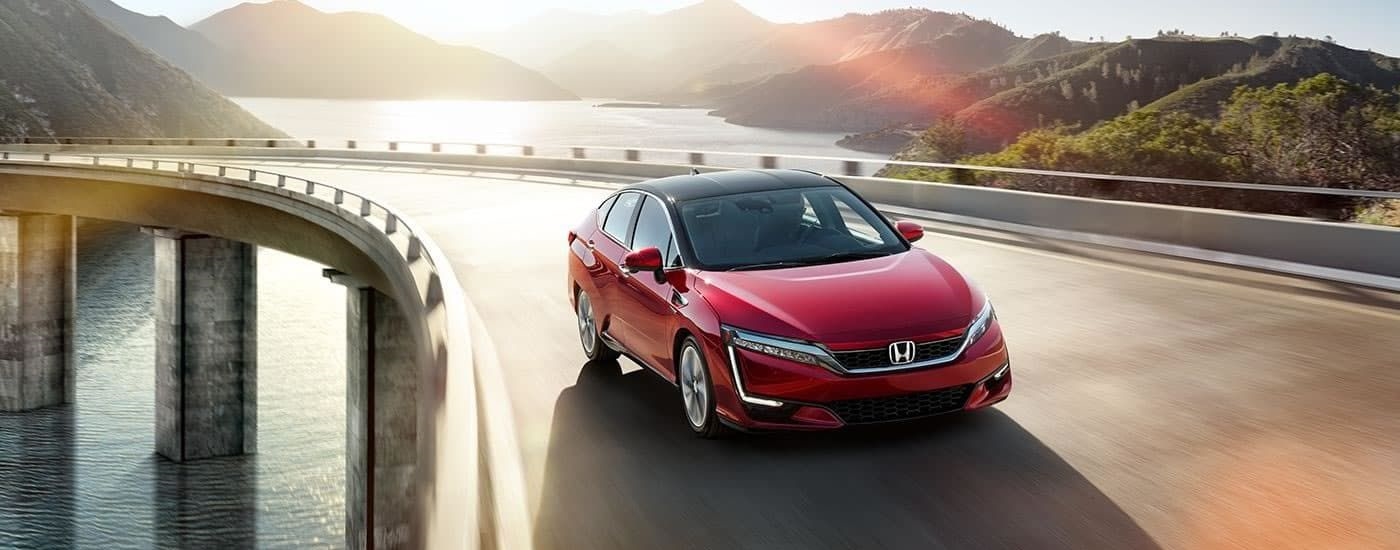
{"x": 781, "y": 300}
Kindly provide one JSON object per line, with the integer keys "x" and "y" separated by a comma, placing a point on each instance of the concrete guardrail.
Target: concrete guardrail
{"x": 1349, "y": 252}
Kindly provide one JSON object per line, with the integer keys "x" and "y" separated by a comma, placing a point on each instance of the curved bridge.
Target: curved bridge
{"x": 1175, "y": 389}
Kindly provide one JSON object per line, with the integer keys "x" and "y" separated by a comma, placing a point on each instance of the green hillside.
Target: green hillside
{"x": 1171, "y": 74}
{"x": 1320, "y": 131}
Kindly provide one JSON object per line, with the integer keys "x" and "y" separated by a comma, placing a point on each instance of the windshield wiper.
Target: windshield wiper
{"x": 848, "y": 256}
{"x": 837, "y": 257}
{"x": 767, "y": 265}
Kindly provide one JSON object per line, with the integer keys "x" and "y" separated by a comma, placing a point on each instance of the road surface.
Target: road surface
{"x": 1159, "y": 403}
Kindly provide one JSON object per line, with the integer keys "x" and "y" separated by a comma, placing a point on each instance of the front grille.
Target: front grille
{"x": 880, "y": 358}
{"x": 903, "y": 407}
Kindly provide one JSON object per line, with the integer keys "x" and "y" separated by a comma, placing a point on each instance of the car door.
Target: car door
{"x": 609, "y": 246}
{"x": 645, "y": 306}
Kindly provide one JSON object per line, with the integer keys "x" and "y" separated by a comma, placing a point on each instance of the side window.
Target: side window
{"x": 603, "y": 210}
{"x": 653, "y": 227}
{"x": 672, "y": 254}
{"x": 620, "y": 216}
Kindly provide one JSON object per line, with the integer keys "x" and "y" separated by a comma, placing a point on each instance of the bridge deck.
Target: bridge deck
{"x": 1159, "y": 403}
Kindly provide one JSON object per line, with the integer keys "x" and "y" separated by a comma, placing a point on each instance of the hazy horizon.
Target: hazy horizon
{"x": 1361, "y": 24}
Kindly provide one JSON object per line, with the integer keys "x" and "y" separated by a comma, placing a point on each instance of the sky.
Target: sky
{"x": 1362, "y": 24}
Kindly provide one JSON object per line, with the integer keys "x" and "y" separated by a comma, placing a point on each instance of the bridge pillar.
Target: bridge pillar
{"x": 381, "y": 420}
{"x": 37, "y": 263}
{"x": 206, "y": 345}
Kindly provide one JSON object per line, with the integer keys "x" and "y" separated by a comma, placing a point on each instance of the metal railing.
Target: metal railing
{"x": 442, "y": 301}
{"x": 848, "y": 166}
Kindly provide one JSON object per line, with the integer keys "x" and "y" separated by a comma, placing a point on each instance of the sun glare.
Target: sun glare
{"x": 445, "y": 18}
{"x": 500, "y": 122}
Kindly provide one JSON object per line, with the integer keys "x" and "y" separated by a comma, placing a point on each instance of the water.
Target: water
{"x": 557, "y": 123}
{"x": 87, "y": 476}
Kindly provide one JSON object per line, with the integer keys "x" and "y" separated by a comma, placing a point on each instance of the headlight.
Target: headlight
{"x": 979, "y": 325}
{"x": 776, "y": 346}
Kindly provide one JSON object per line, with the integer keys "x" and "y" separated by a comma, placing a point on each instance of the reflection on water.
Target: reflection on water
{"x": 563, "y": 123}
{"x": 36, "y": 479}
{"x": 86, "y": 475}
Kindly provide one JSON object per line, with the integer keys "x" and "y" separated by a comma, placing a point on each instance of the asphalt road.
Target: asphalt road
{"x": 1159, "y": 403}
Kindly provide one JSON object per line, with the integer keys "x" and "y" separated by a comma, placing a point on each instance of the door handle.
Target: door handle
{"x": 588, "y": 244}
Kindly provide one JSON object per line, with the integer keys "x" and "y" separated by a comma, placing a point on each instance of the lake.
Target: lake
{"x": 561, "y": 123}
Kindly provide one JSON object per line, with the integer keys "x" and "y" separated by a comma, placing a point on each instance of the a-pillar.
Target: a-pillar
{"x": 206, "y": 345}
{"x": 381, "y": 422}
{"x": 37, "y": 262}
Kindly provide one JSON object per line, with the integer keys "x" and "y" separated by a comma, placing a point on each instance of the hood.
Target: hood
{"x": 912, "y": 295}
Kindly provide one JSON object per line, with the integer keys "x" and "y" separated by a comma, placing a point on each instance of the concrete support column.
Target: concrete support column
{"x": 381, "y": 421}
{"x": 37, "y": 286}
{"x": 206, "y": 346}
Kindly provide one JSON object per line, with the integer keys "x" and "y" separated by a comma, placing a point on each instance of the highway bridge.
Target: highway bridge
{"x": 1229, "y": 387}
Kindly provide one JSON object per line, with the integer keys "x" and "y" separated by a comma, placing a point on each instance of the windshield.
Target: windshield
{"x": 785, "y": 228}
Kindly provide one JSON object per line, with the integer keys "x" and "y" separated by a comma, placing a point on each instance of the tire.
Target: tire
{"x": 589, "y": 337}
{"x": 697, "y": 391}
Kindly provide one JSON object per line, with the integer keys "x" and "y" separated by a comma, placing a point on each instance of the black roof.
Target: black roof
{"x": 730, "y": 182}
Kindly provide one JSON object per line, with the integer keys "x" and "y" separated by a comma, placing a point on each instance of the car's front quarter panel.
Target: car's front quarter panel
{"x": 581, "y": 260}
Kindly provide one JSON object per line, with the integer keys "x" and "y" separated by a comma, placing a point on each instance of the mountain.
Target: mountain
{"x": 553, "y": 34}
{"x": 580, "y": 70}
{"x": 285, "y": 48}
{"x": 710, "y": 23}
{"x": 998, "y": 86}
{"x": 795, "y": 45}
{"x": 641, "y": 53}
{"x": 836, "y": 96}
{"x": 65, "y": 72}
{"x": 1171, "y": 74}
{"x": 180, "y": 46}
{"x": 686, "y": 55}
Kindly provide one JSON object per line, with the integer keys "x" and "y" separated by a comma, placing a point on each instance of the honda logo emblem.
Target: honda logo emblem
{"x": 902, "y": 353}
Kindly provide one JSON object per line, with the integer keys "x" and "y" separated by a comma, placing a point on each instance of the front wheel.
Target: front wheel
{"x": 698, "y": 391}
{"x": 593, "y": 345}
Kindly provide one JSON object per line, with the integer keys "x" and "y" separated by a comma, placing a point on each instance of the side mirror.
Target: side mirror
{"x": 646, "y": 259}
{"x": 910, "y": 230}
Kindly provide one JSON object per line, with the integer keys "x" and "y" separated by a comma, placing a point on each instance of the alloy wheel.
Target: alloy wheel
{"x": 695, "y": 387}
{"x": 587, "y": 327}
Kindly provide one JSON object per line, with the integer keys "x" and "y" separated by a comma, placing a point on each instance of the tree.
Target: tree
{"x": 1067, "y": 90}
{"x": 1150, "y": 143}
{"x": 945, "y": 141}
{"x": 1323, "y": 131}
{"x": 1038, "y": 148}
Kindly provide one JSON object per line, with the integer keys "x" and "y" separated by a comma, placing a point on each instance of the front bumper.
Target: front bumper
{"x": 777, "y": 394}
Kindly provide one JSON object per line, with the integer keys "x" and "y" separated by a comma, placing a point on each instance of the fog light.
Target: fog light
{"x": 1000, "y": 373}
{"x": 816, "y": 416}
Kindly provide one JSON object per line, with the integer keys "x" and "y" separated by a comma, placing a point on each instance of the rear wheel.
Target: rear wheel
{"x": 697, "y": 391}
{"x": 588, "y": 334}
